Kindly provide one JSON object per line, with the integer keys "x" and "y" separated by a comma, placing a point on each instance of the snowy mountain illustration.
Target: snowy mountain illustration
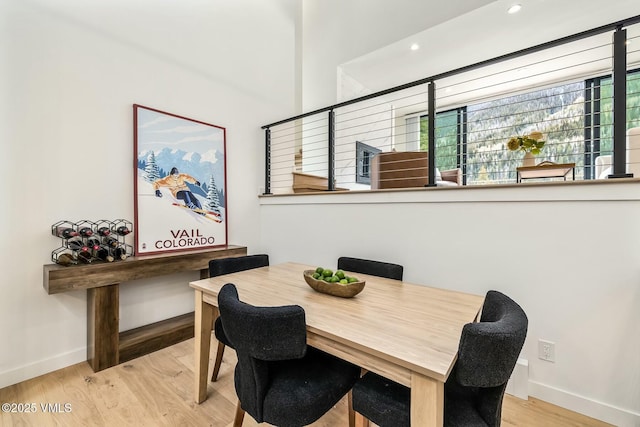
{"x": 206, "y": 168}
{"x": 168, "y": 217}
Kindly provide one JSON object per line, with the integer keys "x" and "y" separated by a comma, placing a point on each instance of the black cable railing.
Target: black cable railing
{"x": 580, "y": 102}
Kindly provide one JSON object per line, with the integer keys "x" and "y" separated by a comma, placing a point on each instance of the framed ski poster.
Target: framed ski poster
{"x": 180, "y": 194}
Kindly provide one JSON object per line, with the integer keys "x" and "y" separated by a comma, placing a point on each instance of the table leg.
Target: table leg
{"x": 427, "y": 401}
{"x": 203, "y": 322}
{"x": 103, "y": 319}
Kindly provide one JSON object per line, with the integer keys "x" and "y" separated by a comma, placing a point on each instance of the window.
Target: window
{"x": 364, "y": 154}
{"x": 602, "y": 118}
{"x": 447, "y": 137}
{"x": 557, "y": 112}
{"x": 575, "y": 118}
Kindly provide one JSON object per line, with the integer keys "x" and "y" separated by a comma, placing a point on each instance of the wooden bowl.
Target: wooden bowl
{"x": 336, "y": 289}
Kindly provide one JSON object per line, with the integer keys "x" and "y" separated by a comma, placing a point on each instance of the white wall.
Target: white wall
{"x": 569, "y": 255}
{"x": 336, "y": 31}
{"x": 370, "y": 122}
{"x": 70, "y": 72}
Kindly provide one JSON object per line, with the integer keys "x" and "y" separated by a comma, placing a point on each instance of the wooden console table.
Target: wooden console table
{"x": 106, "y": 345}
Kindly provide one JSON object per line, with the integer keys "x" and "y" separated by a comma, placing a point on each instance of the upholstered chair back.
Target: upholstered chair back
{"x": 487, "y": 355}
{"x": 259, "y": 335}
{"x": 218, "y": 267}
{"x": 374, "y": 268}
{"x": 489, "y": 349}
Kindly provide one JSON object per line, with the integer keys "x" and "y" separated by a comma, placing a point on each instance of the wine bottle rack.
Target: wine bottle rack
{"x": 85, "y": 241}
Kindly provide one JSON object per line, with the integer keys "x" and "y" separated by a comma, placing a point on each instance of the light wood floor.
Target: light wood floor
{"x": 158, "y": 390}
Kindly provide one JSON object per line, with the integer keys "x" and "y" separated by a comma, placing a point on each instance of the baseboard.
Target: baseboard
{"x": 42, "y": 367}
{"x": 601, "y": 411}
{"x": 518, "y": 384}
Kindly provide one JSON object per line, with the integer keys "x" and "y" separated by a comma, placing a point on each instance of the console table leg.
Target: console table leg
{"x": 103, "y": 326}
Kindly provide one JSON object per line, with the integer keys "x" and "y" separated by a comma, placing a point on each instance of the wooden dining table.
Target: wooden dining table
{"x": 406, "y": 332}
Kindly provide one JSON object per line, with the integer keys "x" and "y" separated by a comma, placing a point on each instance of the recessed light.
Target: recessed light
{"x": 514, "y": 9}
{"x": 415, "y": 46}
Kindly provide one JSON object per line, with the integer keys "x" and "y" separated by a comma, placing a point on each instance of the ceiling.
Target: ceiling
{"x": 488, "y": 32}
{"x": 228, "y": 50}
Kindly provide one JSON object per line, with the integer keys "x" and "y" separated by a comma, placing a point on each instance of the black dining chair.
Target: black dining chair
{"x": 374, "y": 268}
{"x": 278, "y": 378}
{"x": 487, "y": 354}
{"x": 218, "y": 267}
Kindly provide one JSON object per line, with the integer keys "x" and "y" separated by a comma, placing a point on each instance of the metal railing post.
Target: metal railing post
{"x": 431, "y": 95}
{"x": 267, "y": 161}
{"x": 620, "y": 104}
{"x": 331, "y": 161}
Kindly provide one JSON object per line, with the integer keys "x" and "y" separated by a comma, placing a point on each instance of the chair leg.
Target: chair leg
{"x": 362, "y": 421}
{"x": 216, "y": 365}
{"x": 352, "y": 414}
{"x": 359, "y": 420}
{"x": 356, "y": 419}
{"x": 237, "y": 421}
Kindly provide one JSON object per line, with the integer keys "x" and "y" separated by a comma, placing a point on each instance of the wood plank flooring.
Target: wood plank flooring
{"x": 158, "y": 390}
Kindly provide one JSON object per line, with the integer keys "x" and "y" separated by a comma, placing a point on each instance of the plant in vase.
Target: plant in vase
{"x": 531, "y": 144}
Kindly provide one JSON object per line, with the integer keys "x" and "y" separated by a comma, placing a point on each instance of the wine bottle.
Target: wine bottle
{"x": 103, "y": 254}
{"x": 65, "y": 232}
{"x": 120, "y": 253}
{"x": 93, "y": 243}
{"x": 85, "y": 231}
{"x": 111, "y": 242}
{"x": 76, "y": 244}
{"x": 66, "y": 259}
{"x": 85, "y": 256}
{"x": 122, "y": 230}
{"x": 104, "y": 231}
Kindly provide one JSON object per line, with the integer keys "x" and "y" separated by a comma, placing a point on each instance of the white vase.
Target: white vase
{"x": 528, "y": 160}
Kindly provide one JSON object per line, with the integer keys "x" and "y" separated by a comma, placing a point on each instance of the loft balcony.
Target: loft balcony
{"x": 581, "y": 93}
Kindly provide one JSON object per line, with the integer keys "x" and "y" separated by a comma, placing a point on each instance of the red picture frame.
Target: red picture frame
{"x": 180, "y": 177}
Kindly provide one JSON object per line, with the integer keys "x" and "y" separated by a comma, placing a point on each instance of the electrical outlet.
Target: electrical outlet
{"x": 547, "y": 350}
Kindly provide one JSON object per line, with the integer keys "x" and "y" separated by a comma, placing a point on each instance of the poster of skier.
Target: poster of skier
{"x": 179, "y": 183}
